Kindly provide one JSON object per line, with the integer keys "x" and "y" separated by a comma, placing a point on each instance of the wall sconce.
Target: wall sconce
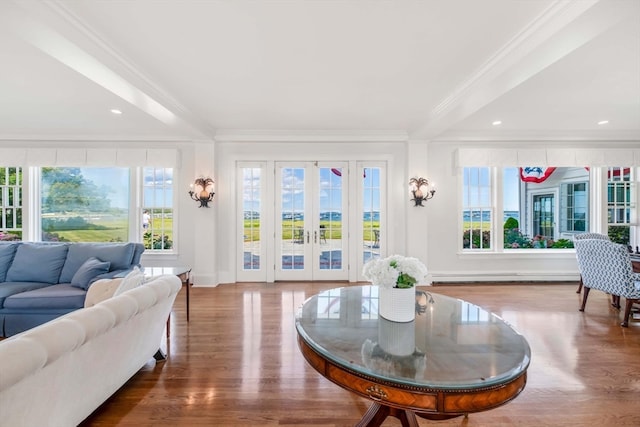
{"x": 202, "y": 191}
{"x": 421, "y": 190}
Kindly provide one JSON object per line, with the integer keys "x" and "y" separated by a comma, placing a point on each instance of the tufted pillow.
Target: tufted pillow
{"x": 88, "y": 270}
{"x": 37, "y": 263}
{"x": 132, "y": 280}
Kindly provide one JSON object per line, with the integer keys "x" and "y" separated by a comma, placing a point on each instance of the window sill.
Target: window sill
{"x": 522, "y": 253}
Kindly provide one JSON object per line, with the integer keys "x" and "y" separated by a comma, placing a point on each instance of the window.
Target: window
{"x": 476, "y": 208}
{"x": 157, "y": 208}
{"x": 10, "y": 203}
{"x": 541, "y": 207}
{"x": 85, "y": 204}
{"x": 620, "y": 204}
{"x": 577, "y": 207}
{"x": 92, "y": 204}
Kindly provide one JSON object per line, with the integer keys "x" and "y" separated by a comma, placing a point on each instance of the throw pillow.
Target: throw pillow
{"x": 132, "y": 280}
{"x": 101, "y": 290}
{"x": 120, "y": 255}
{"x": 87, "y": 271}
{"x": 37, "y": 262}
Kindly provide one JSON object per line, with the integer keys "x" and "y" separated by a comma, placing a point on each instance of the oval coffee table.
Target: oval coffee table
{"x": 454, "y": 359}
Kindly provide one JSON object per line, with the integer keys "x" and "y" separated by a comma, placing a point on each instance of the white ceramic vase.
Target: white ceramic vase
{"x": 397, "y": 304}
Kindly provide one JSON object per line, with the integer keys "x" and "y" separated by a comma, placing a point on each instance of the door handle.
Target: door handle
{"x": 308, "y": 237}
{"x": 315, "y": 237}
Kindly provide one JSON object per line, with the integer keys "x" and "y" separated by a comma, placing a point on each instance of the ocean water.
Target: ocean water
{"x": 485, "y": 216}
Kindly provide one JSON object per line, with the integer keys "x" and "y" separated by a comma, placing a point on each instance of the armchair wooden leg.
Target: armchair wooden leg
{"x": 627, "y": 313}
{"x": 584, "y": 297}
{"x": 615, "y": 301}
{"x": 579, "y": 286}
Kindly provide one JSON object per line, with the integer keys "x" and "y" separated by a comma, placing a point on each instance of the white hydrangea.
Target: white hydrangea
{"x": 386, "y": 271}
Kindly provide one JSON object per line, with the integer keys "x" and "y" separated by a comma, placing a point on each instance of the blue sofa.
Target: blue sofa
{"x": 44, "y": 280}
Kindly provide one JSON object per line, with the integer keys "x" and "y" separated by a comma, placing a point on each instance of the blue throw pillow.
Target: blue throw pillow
{"x": 118, "y": 254}
{"x": 35, "y": 262}
{"x": 87, "y": 271}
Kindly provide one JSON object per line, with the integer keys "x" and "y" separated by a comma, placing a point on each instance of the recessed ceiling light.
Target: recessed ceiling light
{"x": 497, "y": 122}
{"x": 116, "y": 111}
{"x": 603, "y": 122}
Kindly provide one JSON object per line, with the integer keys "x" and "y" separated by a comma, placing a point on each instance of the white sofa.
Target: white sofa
{"x": 58, "y": 373}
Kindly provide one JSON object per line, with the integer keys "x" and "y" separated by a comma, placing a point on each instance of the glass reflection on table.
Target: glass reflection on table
{"x": 451, "y": 344}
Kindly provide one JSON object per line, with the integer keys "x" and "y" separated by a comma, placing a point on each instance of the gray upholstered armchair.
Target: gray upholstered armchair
{"x": 584, "y": 236}
{"x": 606, "y": 266}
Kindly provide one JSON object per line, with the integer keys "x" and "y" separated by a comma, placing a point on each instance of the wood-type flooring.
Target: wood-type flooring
{"x": 236, "y": 363}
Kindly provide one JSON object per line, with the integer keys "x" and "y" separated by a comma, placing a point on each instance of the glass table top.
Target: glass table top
{"x": 451, "y": 343}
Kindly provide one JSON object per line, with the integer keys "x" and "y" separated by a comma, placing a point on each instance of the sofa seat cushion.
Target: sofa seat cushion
{"x": 62, "y": 296}
{"x": 119, "y": 255}
{"x": 7, "y": 251}
{"x": 37, "y": 263}
{"x": 11, "y": 288}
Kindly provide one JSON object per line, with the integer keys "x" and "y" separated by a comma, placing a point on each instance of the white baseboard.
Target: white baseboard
{"x": 516, "y": 276}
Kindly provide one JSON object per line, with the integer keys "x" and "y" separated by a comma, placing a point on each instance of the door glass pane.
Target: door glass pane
{"x": 329, "y": 234}
{"x": 371, "y": 213}
{"x": 292, "y": 208}
{"x": 251, "y": 212}
{"x": 85, "y": 204}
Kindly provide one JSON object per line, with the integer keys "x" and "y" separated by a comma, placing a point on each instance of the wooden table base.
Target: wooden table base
{"x": 377, "y": 413}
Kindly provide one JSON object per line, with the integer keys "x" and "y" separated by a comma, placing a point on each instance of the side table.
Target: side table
{"x": 183, "y": 273}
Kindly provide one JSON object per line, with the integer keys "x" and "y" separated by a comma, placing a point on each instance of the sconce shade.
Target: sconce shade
{"x": 202, "y": 191}
{"x": 421, "y": 190}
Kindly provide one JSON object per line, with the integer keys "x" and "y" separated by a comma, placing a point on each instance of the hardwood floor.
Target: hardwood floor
{"x": 236, "y": 363}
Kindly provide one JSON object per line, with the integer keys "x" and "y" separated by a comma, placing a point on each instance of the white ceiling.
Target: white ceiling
{"x": 420, "y": 69}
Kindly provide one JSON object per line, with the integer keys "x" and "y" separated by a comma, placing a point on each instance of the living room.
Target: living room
{"x": 215, "y": 89}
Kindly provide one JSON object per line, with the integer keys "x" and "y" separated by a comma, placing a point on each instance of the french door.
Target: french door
{"x": 311, "y": 219}
{"x": 294, "y": 221}
{"x": 544, "y": 215}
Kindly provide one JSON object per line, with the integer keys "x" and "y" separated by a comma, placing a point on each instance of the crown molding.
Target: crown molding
{"x": 625, "y": 136}
{"x": 235, "y": 135}
{"x": 61, "y": 140}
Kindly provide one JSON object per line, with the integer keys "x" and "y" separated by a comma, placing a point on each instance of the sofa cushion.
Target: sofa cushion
{"x": 89, "y": 270}
{"x": 11, "y": 288}
{"x": 61, "y": 296}
{"x": 7, "y": 251}
{"x": 37, "y": 263}
{"x": 120, "y": 255}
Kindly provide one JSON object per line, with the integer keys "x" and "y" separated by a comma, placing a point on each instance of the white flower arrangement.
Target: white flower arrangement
{"x": 395, "y": 271}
